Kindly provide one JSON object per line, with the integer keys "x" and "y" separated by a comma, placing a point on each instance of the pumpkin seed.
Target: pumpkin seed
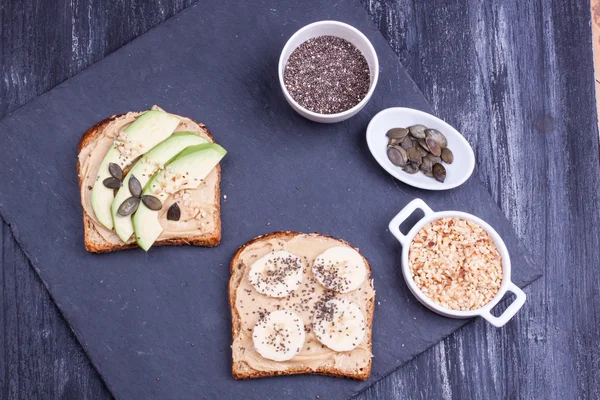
{"x": 112, "y": 183}
{"x": 434, "y": 159}
{"x": 174, "y": 213}
{"x": 434, "y": 147}
{"x": 397, "y": 156}
{"x": 129, "y": 206}
{"x": 406, "y": 143}
{"x": 151, "y": 202}
{"x": 418, "y": 131}
{"x": 135, "y": 187}
{"x": 426, "y": 165}
{"x": 438, "y": 137}
{"x": 397, "y": 133}
{"x": 394, "y": 141}
{"x": 414, "y": 155}
{"x": 115, "y": 171}
{"x": 447, "y": 156}
{"x": 409, "y": 169}
{"x": 421, "y": 149}
{"x": 439, "y": 172}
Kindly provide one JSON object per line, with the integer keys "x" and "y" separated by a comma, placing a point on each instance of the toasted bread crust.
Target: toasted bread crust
{"x": 99, "y": 245}
{"x": 241, "y": 370}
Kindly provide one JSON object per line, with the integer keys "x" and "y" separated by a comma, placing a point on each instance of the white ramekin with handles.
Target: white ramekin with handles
{"x": 507, "y": 284}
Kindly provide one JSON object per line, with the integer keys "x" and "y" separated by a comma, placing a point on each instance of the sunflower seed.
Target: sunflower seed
{"x": 129, "y": 206}
{"x": 115, "y": 171}
{"x": 135, "y": 187}
{"x": 151, "y": 202}
{"x": 112, "y": 183}
{"x": 174, "y": 213}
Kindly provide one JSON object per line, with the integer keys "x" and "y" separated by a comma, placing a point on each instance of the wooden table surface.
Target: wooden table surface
{"x": 516, "y": 77}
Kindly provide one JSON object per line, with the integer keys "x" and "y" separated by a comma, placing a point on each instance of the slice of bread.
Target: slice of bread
{"x": 243, "y": 370}
{"x": 95, "y": 241}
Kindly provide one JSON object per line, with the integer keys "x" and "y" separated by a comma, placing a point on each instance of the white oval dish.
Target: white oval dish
{"x": 506, "y": 286}
{"x": 400, "y": 117}
{"x": 341, "y": 30}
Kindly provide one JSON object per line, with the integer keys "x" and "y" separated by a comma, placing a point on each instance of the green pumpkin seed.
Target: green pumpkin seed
{"x": 115, "y": 171}
{"x": 151, "y": 202}
{"x": 112, "y": 183}
{"x": 129, "y": 206}
{"x": 174, "y": 213}
{"x": 135, "y": 187}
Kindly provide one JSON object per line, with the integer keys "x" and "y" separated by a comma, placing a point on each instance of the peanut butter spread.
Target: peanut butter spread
{"x": 197, "y": 205}
{"x": 250, "y": 305}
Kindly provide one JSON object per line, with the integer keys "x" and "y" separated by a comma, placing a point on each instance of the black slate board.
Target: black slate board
{"x": 216, "y": 63}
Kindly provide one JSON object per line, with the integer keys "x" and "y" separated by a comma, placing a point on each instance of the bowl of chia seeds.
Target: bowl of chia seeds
{"x": 328, "y": 71}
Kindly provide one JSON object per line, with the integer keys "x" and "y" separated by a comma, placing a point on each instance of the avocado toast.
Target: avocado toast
{"x": 143, "y": 145}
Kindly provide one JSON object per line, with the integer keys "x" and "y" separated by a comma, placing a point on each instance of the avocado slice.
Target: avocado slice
{"x": 143, "y": 134}
{"x": 143, "y": 170}
{"x": 187, "y": 171}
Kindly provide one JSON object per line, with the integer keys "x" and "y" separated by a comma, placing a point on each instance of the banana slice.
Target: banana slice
{"x": 279, "y": 336}
{"x": 277, "y": 274}
{"x": 341, "y": 269}
{"x": 339, "y": 324}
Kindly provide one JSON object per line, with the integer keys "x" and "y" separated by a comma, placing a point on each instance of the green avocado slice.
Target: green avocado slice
{"x": 144, "y": 169}
{"x": 187, "y": 171}
{"x": 143, "y": 134}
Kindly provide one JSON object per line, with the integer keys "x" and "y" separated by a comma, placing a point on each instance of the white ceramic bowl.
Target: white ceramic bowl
{"x": 398, "y": 117}
{"x": 507, "y": 284}
{"x": 341, "y": 30}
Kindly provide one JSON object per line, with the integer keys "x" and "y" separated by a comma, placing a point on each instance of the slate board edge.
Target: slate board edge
{"x": 15, "y": 231}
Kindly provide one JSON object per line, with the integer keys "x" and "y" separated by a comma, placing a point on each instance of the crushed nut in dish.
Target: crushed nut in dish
{"x": 456, "y": 264}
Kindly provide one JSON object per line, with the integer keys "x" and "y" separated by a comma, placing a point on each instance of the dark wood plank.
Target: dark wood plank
{"x": 515, "y": 77}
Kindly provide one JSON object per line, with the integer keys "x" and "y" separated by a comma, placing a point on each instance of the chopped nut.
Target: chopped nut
{"x": 455, "y": 263}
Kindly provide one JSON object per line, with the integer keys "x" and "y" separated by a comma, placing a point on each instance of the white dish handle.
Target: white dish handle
{"x": 510, "y": 311}
{"x": 395, "y": 223}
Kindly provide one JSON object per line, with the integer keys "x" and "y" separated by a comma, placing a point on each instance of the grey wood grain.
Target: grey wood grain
{"x": 515, "y": 77}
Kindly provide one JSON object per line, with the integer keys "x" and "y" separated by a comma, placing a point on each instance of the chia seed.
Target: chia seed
{"x": 327, "y": 75}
